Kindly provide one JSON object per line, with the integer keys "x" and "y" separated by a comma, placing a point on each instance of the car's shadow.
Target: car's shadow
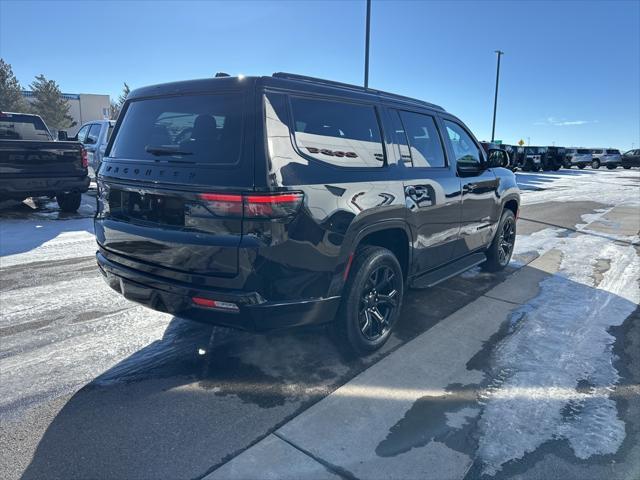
{"x": 178, "y": 406}
{"x": 190, "y": 401}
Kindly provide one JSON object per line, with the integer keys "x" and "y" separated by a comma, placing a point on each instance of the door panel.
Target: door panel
{"x": 432, "y": 191}
{"x": 480, "y": 203}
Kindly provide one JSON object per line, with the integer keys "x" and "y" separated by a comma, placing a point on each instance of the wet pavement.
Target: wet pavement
{"x": 93, "y": 386}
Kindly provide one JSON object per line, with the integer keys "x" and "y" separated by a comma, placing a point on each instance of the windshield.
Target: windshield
{"x": 203, "y": 129}
{"x": 22, "y": 127}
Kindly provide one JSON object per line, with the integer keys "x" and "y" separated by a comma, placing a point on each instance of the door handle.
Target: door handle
{"x": 469, "y": 187}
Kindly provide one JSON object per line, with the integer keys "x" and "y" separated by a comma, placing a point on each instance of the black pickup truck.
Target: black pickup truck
{"x": 32, "y": 164}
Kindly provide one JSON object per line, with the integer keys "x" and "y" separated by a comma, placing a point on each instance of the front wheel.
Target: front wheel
{"x": 581, "y": 166}
{"x": 371, "y": 301}
{"x": 69, "y": 202}
{"x": 501, "y": 248}
{"x": 595, "y": 164}
{"x": 612, "y": 167}
{"x": 626, "y": 167}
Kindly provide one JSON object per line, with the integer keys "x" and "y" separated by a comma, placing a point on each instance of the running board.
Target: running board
{"x": 445, "y": 272}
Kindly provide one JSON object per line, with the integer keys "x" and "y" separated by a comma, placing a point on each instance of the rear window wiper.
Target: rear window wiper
{"x": 160, "y": 150}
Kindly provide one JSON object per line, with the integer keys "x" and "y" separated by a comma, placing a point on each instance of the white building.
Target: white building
{"x": 83, "y": 107}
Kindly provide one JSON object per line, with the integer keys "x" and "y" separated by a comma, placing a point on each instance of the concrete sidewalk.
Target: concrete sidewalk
{"x": 406, "y": 416}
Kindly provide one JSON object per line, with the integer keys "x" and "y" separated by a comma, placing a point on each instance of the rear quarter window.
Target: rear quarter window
{"x": 342, "y": 134}
{"x": 198, "y": 129}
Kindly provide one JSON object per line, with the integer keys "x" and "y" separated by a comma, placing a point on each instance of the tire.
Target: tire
{"x": 595, "y": 164}
{"x": 535, "y": 168}
{"x": 581, "y": 167}
{"x": 69, "y": 202}
{"x": 357, "y": 328}
{"x": 612, "y": 167}
{"x": 626, "y": 167}
{"x": 501, "y": 248}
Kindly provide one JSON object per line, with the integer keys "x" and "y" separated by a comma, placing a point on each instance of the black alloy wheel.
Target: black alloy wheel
{"x": 501, "y": 248}
{"x": 378, "y": 302}
{"x": 371, "y": 301}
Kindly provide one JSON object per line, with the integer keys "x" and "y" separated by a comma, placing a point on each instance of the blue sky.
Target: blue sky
{"x": 570, "y": 74}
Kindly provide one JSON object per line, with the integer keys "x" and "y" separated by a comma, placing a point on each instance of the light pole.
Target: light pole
{"x": 495, "y": 100}
{"x": 366, "y": 46}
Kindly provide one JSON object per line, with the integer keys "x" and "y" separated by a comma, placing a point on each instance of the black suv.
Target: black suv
{"x": 270, "y": 202}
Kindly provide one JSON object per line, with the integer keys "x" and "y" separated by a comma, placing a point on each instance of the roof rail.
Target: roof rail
{"x": 381, "y": 93}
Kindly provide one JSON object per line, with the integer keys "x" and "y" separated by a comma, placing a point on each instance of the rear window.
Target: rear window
{"x": 22, "y": 127}
{"x": 343, "y": 134}
{"x": 202, "y": 129}
{"x": 583, "y": 151}
{"x": 613, "y": 152}
{"x": 597, "y": 151}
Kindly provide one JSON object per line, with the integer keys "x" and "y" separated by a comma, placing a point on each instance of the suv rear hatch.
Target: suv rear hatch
{"x": 172, "y": 182}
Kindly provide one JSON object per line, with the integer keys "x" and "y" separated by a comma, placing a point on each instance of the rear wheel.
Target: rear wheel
{"x": 595, "y": 164}
{"x": 371, "y": 301}
{"x": 612, "y": 167}
{"x": 501, "y": 248}
{"x": 626, "y": 167}
{"x": 581, "y": 166}
{"x": 69, "y": 202}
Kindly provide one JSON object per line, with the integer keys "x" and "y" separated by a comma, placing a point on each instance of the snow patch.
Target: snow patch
{"x": 560, "y": 341}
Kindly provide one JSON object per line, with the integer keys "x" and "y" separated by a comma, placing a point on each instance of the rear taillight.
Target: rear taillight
{"x": 85, "y": 159}
{"x": 273, "y": 205}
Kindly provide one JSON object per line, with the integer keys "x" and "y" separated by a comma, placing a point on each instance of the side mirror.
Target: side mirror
{"x": 62, "y": 135}
{"x": 497, "y": 158}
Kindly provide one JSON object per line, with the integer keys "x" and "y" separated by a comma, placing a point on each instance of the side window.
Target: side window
{"x": 94, "y": 133}
{"x": 424, "y": 140}
{"x": 343, "y": 134}
{"x": 463, "y": 146}
{"x": 82, "y": 133}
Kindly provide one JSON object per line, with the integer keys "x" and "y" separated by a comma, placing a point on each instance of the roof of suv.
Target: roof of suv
{"x": 277, "y": 80}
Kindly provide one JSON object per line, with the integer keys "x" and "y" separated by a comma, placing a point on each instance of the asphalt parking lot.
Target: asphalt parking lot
{"x": 530, "y": 373}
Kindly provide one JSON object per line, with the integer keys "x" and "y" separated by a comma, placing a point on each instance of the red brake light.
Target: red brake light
{"x": 275, "y": 205}
{"x": 85, "y": 159}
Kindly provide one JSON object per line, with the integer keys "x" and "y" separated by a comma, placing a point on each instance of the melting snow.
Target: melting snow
{"x": 561, "y": 343}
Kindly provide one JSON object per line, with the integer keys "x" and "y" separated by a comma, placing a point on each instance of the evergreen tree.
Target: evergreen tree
{"x": 11, "y": 99}
{"x": 50, "y": 105}
{"x": 115, "y": 107}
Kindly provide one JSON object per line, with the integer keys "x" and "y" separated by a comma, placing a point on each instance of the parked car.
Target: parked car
{"x": 531, "y": 159}
{"x": 271, "y": 202}
{"x": 578, "y": 157}
{"x": 631, "y": 159}
{"x": 94, "y": 136}
{"x": 32, "y": 164}
{"x": 610, "y": 158}
{"x": 552, "y": 157}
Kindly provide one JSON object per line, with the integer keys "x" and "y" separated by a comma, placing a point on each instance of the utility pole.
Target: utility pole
{"x": 366, "y": 46}
{"x": 495, "y": 100}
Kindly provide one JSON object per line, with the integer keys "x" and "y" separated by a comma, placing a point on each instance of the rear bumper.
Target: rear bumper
{"x": 17, "y": 187}
{"x": 254, "y": 312}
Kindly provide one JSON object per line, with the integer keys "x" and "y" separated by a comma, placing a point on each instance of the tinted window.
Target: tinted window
{"x": 192, "y": 129}
{"x": 612, "y": 152}
{"x": 94, "y": 134}
{"x": 597, "y": 151}
{"x": 424, "y": 140}
{"x": 82, "y": 133}
{"x": 342, "y": 134}
{"x": 583, "y": 150}
{"x": 463, "y": 146}
{"x": 22, "y": 127}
